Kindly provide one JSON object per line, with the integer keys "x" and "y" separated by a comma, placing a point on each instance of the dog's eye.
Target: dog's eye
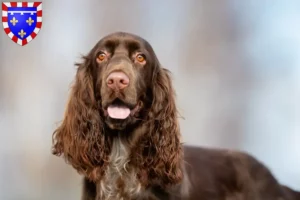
{"x": 140, "y": 58}
{"x": 101, "y": 57}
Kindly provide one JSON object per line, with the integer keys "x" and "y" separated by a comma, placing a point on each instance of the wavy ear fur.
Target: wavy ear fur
{"x": 158, "y": 152}
{"x": 80, "y": 138}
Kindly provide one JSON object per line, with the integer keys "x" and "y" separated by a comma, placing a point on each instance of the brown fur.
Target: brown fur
{"x": 158, "y": 152}
{"x": 81, "y": 138}
{"x": 141, "y": 157}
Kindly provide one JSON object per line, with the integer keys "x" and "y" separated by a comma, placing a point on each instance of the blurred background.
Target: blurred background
{"x": 236, "y": 70}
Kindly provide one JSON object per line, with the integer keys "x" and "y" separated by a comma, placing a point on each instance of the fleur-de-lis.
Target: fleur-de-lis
{"x": 14, "y": 21}
{"x": 29, "y": 21}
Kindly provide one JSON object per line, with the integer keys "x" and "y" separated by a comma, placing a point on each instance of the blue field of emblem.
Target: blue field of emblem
{"x": 22, "y": 21}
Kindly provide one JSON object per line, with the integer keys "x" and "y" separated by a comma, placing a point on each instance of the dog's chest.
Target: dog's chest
{"x": 120, "y": 181}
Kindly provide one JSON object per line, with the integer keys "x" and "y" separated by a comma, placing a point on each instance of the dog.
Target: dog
{"x": 121, "y": 132}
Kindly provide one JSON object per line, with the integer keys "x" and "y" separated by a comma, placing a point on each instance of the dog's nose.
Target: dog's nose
{"x": 117, "y": 80}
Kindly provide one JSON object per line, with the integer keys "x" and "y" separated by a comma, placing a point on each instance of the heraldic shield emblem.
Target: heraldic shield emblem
{"x": 22, "y": 21}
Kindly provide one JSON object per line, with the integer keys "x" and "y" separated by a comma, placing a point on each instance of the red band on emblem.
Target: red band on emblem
{"x": 4, "y": 19}
{"x": 24, "y": 4}
{"x": 39, "y": 24}
{"x": 24, "y": 42}
{"x": 13, "y": 4}
{"x": 15, "y": 39}
{"x": 7, "y": 30}
{"x": 39, "y": 13}
{"x": 4, "y": 7}
{"x": 33, "y": 34}
{"x": 36, "y": 4}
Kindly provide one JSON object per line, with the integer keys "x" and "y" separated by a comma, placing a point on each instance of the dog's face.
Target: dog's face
{"x": 123, "y": 70}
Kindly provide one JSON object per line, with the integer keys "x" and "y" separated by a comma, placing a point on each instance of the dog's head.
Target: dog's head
{"x": 120, "y": 88}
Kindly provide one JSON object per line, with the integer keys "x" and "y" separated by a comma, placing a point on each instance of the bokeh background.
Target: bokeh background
{"x": 236, "y": 70}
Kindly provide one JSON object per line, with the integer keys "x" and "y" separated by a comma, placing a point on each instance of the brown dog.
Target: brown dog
{"x": 121, "y": 132}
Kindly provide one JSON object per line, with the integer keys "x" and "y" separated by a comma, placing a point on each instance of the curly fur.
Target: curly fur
{"x": 158, "y": 152}
{"x": 80, "y": 137}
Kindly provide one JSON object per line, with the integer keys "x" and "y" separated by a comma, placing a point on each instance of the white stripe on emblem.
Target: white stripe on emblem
{"x": 39, "y": 7}
{"x": 19, "y": 41}
{"x": 19, "y": 4}
{"x": 36, "y": 30}
{"x": 5, "y": 25}
{"x": 39, "y": 19}
{"x": 4, "y": 13}
{"x": 7, "y": 4}
{"x": 22, "y": 12}
{"x": 29, "y": 38}
{"x": 30, "y": 4}
{"x": 11, "y": 35}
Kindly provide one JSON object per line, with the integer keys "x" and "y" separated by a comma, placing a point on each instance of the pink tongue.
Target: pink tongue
{"x": 118, "y": 112}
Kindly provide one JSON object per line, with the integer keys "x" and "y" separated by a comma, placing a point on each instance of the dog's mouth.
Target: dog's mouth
{"x": 121, "y": 110}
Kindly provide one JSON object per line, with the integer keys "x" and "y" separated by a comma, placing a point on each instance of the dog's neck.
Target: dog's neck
{"x": 120, "y": 180}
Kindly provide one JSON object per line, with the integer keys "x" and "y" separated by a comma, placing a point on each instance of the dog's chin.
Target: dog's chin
{"x": 119, "y": 124}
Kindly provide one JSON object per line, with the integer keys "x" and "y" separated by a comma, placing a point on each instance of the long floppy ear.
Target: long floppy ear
{"x": 159, "y": 148}
{"x": 80, "y": 137}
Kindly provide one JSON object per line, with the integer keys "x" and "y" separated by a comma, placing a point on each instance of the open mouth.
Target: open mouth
{"x": 120, "y": 110}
